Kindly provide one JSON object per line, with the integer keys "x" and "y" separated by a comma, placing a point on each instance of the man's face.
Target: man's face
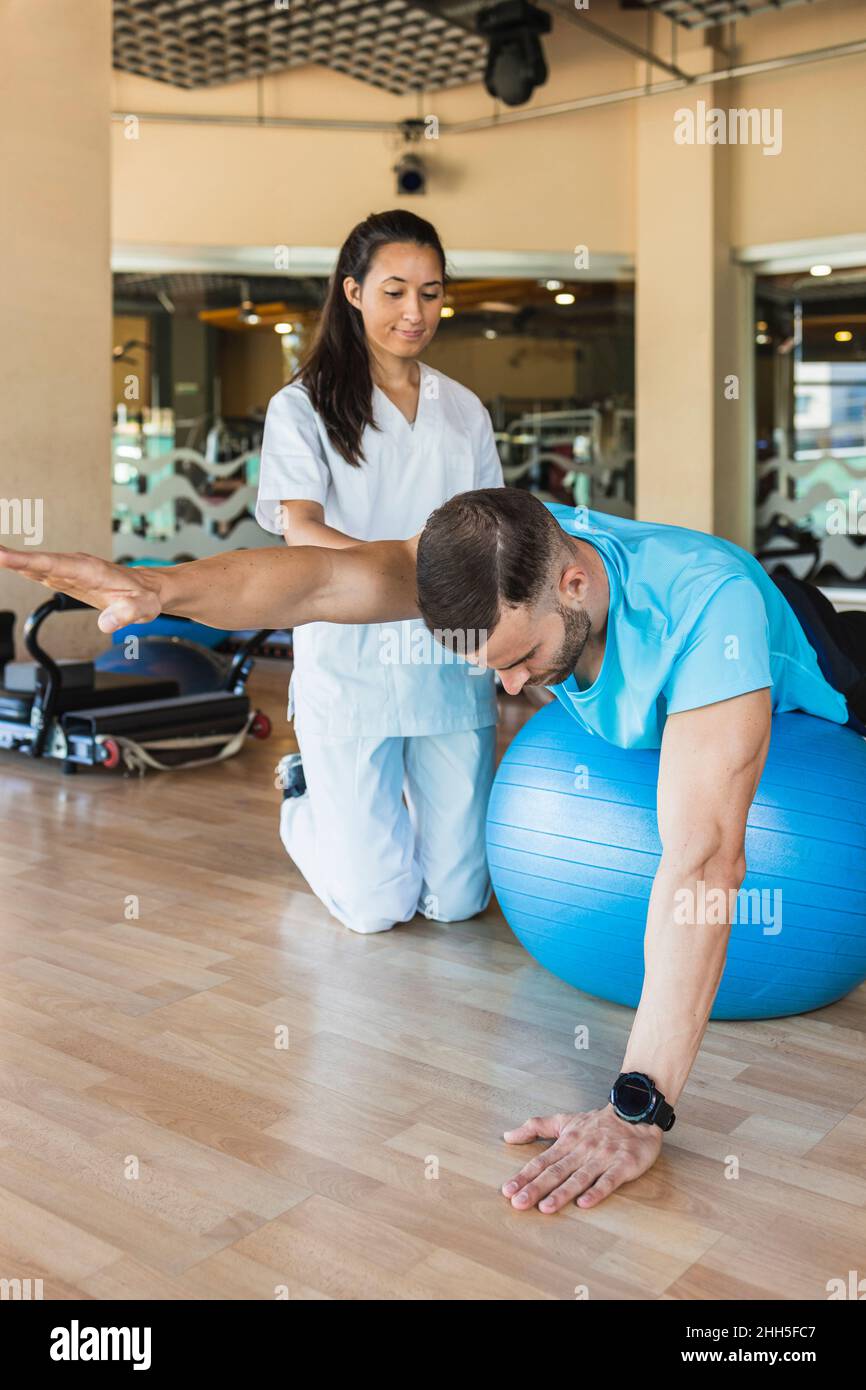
{"x": 536, "y": 646}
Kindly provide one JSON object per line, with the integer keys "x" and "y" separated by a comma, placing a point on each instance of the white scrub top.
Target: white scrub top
{"x": 381, "y": 679}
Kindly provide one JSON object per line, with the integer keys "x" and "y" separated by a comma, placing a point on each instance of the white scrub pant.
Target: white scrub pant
{"x": 375, "y": 861}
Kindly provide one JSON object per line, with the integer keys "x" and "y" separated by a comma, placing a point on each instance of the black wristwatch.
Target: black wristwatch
{"x": 634, "y": 1098}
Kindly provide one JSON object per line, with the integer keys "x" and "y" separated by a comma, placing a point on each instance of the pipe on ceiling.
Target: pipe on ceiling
{"x": 814, "y": 55}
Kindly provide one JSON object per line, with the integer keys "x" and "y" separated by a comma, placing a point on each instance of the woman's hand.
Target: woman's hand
{"x": 122, "y": 595}
{"x": 593, "y": 1154}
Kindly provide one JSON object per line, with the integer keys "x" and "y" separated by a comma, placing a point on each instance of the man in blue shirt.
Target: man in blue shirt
{"x": 652, "y": 636}
{"x": 645, "y": 620}
{"x": 691, "y": 620}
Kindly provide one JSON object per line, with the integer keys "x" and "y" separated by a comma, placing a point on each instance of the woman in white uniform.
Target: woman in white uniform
{"x": 397, "y": 744}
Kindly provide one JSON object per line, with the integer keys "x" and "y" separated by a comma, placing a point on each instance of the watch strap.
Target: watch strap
{"x": 664, "y": 1116}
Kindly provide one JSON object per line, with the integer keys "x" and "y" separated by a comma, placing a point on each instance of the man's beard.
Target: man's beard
{"x": 575, "y": 637}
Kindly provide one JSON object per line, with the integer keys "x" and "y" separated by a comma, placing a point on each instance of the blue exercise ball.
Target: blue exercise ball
{"x": 166, "y": 626}
{"x": 573, "y": 847}
{"x": 196, "y": 670}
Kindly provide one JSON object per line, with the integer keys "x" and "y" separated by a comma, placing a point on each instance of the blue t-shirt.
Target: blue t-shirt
{"x": 693, "y": 619}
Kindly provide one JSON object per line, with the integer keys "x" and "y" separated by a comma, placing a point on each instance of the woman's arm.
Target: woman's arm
{"x": 276, "y": 587}
{"x": 303, "y": 523}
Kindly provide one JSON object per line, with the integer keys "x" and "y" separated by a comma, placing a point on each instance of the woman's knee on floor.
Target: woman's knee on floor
{"x": 444, "y": 901}
{"x": 367, "y": 905}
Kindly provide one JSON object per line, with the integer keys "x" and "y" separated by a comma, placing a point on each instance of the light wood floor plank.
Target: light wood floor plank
{"x": 309, "y": 1168}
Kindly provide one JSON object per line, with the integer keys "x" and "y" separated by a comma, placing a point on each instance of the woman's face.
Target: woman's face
{"x": 401, "y": 298}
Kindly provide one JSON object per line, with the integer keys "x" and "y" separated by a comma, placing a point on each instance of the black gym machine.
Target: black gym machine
{"x": 83, "y": 717}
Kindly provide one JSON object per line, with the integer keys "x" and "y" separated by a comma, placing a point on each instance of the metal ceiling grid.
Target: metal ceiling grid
{"x": 391, "y": 44}
{"x": 704, "y": 14}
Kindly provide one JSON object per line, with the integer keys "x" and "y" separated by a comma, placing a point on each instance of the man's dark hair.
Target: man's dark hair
{"x": 481, "y": 550}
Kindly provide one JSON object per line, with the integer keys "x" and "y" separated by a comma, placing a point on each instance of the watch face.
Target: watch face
{"x": 633, "y": 1095}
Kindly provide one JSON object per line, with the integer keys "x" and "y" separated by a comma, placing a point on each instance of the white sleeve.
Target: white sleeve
{"x": 488, "y": 469}
{"x": 293, "y": 463}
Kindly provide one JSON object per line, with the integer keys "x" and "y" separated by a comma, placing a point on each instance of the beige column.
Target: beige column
{"x": 693, "y": 322}
{"x": 55, "y": 332}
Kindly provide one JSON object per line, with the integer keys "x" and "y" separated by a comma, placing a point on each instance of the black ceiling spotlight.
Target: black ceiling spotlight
{"x": 411, "y": 175}
{"x": 515, "y": 62}
{"x": 410, "y": 168}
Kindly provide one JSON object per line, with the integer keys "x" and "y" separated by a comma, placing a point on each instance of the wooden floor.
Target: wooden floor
{"x": 154, "y": 1143}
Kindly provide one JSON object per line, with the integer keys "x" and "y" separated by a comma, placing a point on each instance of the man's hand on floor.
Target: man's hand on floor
{"x": 593, "y": 1153}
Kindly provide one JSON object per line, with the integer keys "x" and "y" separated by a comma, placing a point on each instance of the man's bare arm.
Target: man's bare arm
{"x": 276, "y": 587}
{"x": 711, "y": 762}
{"x": 282, "y": 587}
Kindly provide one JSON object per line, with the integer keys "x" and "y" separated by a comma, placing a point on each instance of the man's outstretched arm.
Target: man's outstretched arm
{"x": 276, "y": 587}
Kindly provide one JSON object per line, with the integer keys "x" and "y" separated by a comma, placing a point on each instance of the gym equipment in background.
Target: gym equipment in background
{"x": 809, "y": 509}
{"x": 579, "y": 457}
{"x": 573, "y": 847}
{"x": 172, "y": 503}
{"x": 136, "y": 719}
{"x": 195, "y": 669}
